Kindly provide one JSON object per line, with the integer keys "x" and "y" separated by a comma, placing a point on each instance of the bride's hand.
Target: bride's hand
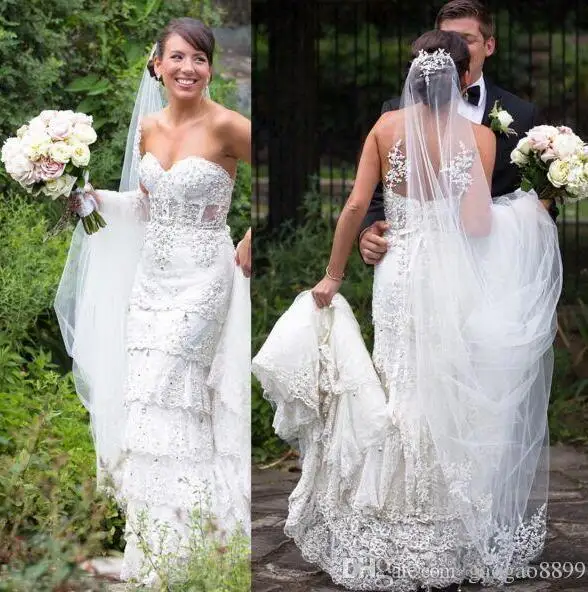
{"x": 243, "y": 254}
{"x": 324, "y": 291}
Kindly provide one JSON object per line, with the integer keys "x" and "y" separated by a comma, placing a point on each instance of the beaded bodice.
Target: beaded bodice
{"x": 193, "y": 192}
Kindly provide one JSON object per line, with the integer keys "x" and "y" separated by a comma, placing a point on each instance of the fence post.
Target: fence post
{"x": 292, "y": 105}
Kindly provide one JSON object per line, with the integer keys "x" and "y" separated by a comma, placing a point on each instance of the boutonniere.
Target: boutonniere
{"x": 500, "y": 120}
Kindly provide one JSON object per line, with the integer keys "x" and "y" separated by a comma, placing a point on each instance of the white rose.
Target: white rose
{"x": 577, "y": 180}
{"x": 558, "y": 173}
{"x": 63, "y": 185}
{"x": 10, "y": 149}
{"x": 80, "y": 155}
{"x": 505, "y": 118}
{"x": 48, "y": 115}
{"x": 564, "y": 145}
{"x": 82, "y": 119}
{"x": 524, "y": 146}
{"x": 518, "y": 157}
{"x": 84, "y": 133}
{"x": 60, "y": 151}
{"x": 60, "y": 127}
{"x": 36, "y": 145}
{"x": 21, "y": 131}
{"x": 37, "y": 125}
{"x": 22, "y": 170}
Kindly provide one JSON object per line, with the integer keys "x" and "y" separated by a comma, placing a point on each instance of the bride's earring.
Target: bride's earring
{"x": 158, "y": 77}
{"x": 206, "y": 91}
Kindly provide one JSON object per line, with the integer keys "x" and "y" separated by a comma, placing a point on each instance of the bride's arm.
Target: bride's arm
{"x": 243, "y": 254}
{"x": 237, "y": 131}
{"x": 124, "y": 203}
{"x": 366, "y": 179}
{"x": 475, "y": 205}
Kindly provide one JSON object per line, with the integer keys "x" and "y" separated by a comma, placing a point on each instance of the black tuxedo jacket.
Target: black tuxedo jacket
{"x": 506, "y": 177}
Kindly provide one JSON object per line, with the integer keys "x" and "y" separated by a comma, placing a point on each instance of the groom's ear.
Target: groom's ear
{"x": 490, "y": 46}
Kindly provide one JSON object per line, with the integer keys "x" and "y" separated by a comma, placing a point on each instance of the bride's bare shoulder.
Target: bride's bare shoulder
{"x": 148, "y": 124}
{"x": 227, "y": 120}
{"x": 388, "y": 128}
{"x": 389, "y": 120}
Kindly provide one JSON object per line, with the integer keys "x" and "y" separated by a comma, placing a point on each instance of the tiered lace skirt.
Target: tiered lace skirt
{"x": 177, "y": 463}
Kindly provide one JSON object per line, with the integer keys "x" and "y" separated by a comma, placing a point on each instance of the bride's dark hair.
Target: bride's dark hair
{"x": 454, "y": 45}
{"x": 192, "y": 31}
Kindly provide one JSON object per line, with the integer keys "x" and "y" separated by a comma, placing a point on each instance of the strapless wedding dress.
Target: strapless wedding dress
{"x": 169, "y": 396}
{"x": 179, "y": 447}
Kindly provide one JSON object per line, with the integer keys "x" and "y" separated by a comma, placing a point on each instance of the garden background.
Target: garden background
{"x": 85, "y": 55}
{"x": 321, "y": 70}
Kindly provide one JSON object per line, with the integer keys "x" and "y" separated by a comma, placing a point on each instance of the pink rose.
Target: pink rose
{"x": 50, "y": 169}
{"x": 548, "y": 155}
{"x": 541, "y": 136}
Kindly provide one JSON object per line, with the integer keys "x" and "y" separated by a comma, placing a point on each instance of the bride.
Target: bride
{"x": 154, "y": 310}
{"x": 428, "y": 466}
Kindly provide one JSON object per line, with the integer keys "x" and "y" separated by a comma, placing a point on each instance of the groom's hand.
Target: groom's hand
{"x": 372, "y": 244}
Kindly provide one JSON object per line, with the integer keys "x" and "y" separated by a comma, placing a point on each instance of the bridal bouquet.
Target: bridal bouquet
{"x": 49, "y": 156}
{"x": 554, "y": 162}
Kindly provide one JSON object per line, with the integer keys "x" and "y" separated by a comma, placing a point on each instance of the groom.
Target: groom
{"x": 472, "y": 20}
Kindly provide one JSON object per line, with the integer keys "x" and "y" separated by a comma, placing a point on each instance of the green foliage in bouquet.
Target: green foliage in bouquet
{"x": 534, "y": 176}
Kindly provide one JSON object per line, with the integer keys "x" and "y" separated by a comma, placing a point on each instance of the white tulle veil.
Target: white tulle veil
{"x": 483, "y": 296}
{"x": 93, "y": 294}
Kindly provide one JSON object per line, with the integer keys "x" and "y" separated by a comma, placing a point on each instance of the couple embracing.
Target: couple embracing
{"x": 427, "y": 464}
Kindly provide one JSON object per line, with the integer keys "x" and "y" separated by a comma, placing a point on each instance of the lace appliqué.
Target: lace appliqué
{"x": 432, "y": 62}
{"x": 458, "y": 171}
{"x": 398, "y": 167}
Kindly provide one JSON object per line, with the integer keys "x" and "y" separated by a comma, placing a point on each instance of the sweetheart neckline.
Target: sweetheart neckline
{"x": 190, "y": 157}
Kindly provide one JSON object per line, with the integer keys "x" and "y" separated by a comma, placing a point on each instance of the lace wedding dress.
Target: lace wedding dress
{"x": 428, "y": 466}
{"x": 172, "y": 426}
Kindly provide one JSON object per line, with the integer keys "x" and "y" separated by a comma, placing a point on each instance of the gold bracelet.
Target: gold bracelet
{"x": 336, "y": 279}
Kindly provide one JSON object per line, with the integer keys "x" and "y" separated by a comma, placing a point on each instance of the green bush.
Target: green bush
{"x": 50, "y": 515}
{"x": 30, "y": 267}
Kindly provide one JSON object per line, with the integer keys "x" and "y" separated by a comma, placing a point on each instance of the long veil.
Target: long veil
{"x": 92, "y": 298}
{"x": 483, "y": 296}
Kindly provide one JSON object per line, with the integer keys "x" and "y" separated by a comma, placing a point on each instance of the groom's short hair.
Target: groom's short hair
{"x": 456, "y": 9}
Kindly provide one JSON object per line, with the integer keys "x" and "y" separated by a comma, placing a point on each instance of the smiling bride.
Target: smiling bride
{"x": 154, "y": 310}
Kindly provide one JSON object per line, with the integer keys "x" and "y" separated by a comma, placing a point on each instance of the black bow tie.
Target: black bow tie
{"x": 473, "y": 95}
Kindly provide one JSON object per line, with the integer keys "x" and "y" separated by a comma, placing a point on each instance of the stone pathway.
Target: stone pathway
{"x": 278, "y": 566}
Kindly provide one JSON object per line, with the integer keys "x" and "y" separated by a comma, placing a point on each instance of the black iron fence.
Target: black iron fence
{"x": 322, "y": 68}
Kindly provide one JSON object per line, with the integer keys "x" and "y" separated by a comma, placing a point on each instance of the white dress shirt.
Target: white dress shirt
{"x": 471, "y": 112}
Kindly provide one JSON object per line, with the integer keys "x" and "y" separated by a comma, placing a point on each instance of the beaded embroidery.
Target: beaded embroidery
{"x": 458, "y": 171}
{"x": 398, "y": 169}
{"x": 432, "y": 62}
